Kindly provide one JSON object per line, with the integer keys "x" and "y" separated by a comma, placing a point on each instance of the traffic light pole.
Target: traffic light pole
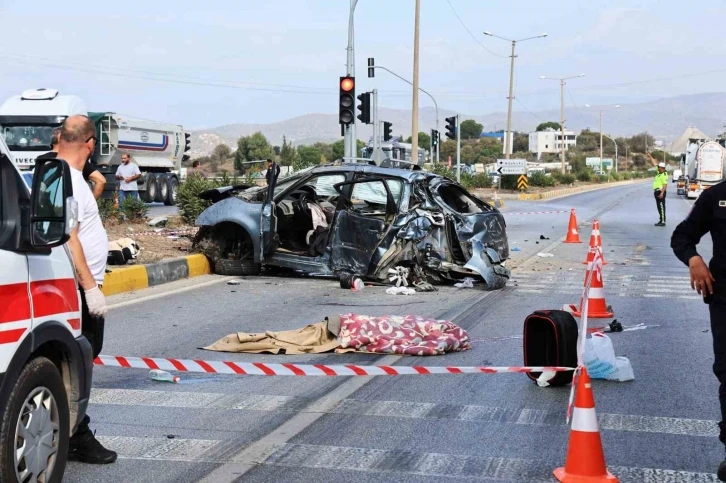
{"x": 458, "y": 150}
{"x": 376, "y": 128}
{"x": 349, "y": 139}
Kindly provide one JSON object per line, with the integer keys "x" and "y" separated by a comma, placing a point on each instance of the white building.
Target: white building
{"x": 550, "y": 141}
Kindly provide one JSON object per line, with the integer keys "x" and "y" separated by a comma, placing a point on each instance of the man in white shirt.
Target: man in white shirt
{"x": 88, "y": 245}
{"x": 127, "y": 173}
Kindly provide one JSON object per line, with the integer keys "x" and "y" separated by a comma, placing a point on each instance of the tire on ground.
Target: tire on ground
{"x": 499, "y": 283}
{"x": 150, "y": 194}
{"x": 161, "y": 187}
{"x": 38, "y": 373}
{"x": 172, "y": 183}
{"x": 223, "y": 266}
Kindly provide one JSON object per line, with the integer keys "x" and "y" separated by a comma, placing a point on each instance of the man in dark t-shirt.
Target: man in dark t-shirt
{"x": 90, "y": 173}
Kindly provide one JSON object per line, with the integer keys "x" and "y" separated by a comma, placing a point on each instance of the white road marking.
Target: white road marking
{"x": 177, "y": 449}
{"x": 170, "y": 289}
{"x": 397, "y": 409}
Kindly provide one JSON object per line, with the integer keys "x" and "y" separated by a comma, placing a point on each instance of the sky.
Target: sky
{"x": 205, "y": 64}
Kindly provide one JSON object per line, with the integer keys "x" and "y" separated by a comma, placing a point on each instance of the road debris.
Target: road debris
{"x": 468, "y": 282}
{"x": 545, "y": 255}
{"x": 400, "y": 291}
{"x": 162, "y": 376}
{"x": 234, "y": 282}
{"x": 158, "y": 221}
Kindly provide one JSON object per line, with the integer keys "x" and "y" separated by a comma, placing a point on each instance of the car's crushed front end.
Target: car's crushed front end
{"x": 447, "y": 234}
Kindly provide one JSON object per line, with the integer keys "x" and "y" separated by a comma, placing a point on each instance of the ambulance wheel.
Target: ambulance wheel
{"x": 35, "y": 427}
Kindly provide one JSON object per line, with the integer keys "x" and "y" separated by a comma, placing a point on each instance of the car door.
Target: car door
{"x": 268, "y": 221}
{"x": 365, "y": 212}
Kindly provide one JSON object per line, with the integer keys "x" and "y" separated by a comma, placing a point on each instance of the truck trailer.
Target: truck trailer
{"x": 27, "y": 121}
{"x": 704, "y": 167}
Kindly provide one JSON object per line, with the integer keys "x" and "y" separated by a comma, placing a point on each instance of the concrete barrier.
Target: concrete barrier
{"x": 136, "y": 277}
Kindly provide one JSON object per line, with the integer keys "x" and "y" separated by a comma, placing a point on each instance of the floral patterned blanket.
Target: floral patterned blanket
{"x": 410, "y": 334}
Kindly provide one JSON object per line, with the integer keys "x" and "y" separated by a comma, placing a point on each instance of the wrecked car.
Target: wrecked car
{"x": 356, "y": 219}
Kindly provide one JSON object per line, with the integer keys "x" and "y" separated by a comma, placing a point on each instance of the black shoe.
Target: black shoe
{"x": 722, "y": 471}
{"x": 660, "y": 223}
{"x": 87, "y": 449}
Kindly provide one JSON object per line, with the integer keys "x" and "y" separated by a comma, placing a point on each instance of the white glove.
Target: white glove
{"x": 96, "y": 302}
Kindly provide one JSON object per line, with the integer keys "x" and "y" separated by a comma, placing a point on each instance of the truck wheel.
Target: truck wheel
{"x": 151, "y": 188}
{"x": 35, "y": 426}
{"x": 172, "y": 184}
{"x": 223, "y": 266}
{"x": 161, "y": 188}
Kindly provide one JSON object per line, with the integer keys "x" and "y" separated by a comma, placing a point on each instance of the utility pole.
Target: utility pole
{"x": 562, "y": 113}
{"x": 414, "y": 109}
{"x": 508, "y": 134}
{"x": 349, "y": 140}
{"x": 458, "y": 150}
{"x": 600, "y": 139}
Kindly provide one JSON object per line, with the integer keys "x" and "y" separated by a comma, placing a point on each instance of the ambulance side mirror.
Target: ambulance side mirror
{"x": 53, "y": 211}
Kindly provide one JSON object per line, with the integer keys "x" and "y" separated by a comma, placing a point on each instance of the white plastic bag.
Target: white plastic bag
{"x": 468, "y": 282}
{"x": 601, "y": 362}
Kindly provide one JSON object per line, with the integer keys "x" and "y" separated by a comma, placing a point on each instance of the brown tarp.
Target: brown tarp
{"x": 311, "y": 339}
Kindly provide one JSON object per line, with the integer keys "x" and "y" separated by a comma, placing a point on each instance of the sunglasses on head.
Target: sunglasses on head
{"x": 95, "y": 139}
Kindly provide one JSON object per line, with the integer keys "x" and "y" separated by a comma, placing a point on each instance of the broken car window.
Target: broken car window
{"x": 373, "y": 194}
{"x": 460, "y": 201}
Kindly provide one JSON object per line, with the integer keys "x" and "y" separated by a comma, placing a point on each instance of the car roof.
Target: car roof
{"x": 406, "y": 174}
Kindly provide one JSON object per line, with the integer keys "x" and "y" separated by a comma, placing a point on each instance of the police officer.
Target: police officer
{"x": 660, "y": 183}
{"x": 709, "y": 215}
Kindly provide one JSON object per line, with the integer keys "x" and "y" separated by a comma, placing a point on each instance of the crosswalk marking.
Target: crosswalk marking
{"x": 177, "y": 449}
{"x": 400, "y": 409}
{"x": 453, "y": 466}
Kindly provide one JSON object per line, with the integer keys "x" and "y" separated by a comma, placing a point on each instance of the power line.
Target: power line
{"x": 470, "y": 33}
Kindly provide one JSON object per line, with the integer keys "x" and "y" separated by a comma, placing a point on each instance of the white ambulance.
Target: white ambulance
{"x": 45, "y": 361}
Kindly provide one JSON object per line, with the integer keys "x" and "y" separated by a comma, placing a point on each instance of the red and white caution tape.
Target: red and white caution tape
{"x": 274, "y": 369}
{"x": 536, "y": 212}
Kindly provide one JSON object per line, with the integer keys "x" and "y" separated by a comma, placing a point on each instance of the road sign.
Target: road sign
{"x": 592, "y": 161}
{"x": 522, "y": 183}
{"x": 607, "y": 162}
{"x": 511, "y": 166}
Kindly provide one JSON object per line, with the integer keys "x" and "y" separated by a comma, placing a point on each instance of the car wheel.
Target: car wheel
{"x": 161, "y": 188}
{"x": 35, "y": 426}
{"x": 499, "y": 283}
{"x": 151, "y": 188}
{"x": 172, "y": 184}
{"x": 223, "y": 266}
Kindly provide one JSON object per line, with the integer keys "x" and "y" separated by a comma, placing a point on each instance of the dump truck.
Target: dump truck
{"x": 704, "y": 168}
{"x": 27, "y": 121}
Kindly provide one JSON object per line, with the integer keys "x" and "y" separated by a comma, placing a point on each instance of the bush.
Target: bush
{"x": 625, "y": 176}
{"x": 584, "y": 176}
{"x": 565, "y": 178}
{"x": 509, "y": 182}
{"x": 187, "y": 197}
{"x": 540, "y": 179}
{"x": 481, "y": 180}
{"x": 133, "y": 209}
{"x": 614, "y": 176}
{"x": 108, "y": 211}
{"x": 601, "y": 179}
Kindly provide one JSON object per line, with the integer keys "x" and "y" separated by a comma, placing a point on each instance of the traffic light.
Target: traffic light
{"x": 451, "y": 127}
{"x": 435, "y": 139}
{"x": 365, "y": 108}
{"x": 371, "y": 70}
{"x": 345, "y": 102}
{"x": 387, "y": 130}
{"x": 187, "y": 146}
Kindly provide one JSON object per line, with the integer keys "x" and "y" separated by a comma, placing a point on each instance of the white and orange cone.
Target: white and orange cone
{"x": 585, "y": 461}
{"x": 596, "y": 306}
{"x": 573, "y": 236}
{"x": 595, "y": 242}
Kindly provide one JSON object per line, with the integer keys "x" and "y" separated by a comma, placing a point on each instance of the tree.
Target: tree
{"x": 309, "y": 156}
{"x": 288, "y": 154}
{"x": 550, "y": 124}
{"x": 338, "y": 149}
{"x": 221, "y": 153}
{"x": 424, "y": 140}
{"x": 252, "y": 148}
{"x": 520, "y": 142}
{"x": 470, "y": 129}
{"x": 639, "y": 142}
{"x": 327, "y": 151}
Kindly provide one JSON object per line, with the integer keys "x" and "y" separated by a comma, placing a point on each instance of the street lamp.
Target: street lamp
{"x": 562, "y": 110}
{"x": 601, "y": 136}
{"x": 507, "y": 141}
{"x": 371, "y": 61}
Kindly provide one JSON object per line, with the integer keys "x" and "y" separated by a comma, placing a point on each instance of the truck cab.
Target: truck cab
{"x": 45, "y": 361}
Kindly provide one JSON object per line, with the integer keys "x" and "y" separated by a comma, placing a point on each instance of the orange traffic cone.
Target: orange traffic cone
{"x": 585, "y": 461}
{"x": 596, "y": 306}
{"x": 595, "y": 241}
{"x": 573, "y": 236}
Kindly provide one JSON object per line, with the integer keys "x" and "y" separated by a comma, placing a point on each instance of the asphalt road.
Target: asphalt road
{"x": 661, "y": 427}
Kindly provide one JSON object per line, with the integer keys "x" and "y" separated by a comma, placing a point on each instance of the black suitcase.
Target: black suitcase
{"x": 550, "y": 339}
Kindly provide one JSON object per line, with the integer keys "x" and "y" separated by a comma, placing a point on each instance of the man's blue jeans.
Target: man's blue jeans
{"x": 124, "y": 194}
